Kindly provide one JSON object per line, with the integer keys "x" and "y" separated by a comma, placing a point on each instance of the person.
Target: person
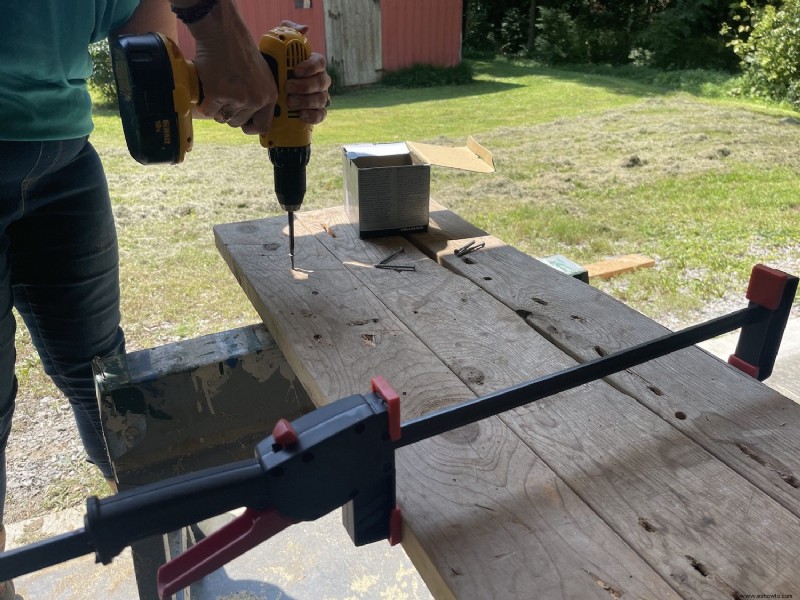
{"x": 58, "y": 246}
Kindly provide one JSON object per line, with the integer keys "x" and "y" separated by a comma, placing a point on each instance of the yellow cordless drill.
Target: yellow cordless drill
{"x": 157, "y": 87}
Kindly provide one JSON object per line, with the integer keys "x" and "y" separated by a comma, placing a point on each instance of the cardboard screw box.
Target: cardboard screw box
{"x": 387, "y": 185}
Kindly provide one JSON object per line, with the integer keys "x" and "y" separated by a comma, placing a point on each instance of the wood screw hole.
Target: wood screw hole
{"x": 698, "y": 566}
{"x": 791, "y": 480}
{"x": 680, "y": 415}
{"x": 646, "y": 525}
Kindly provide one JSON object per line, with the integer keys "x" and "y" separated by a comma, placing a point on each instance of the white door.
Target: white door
{"x": 353, "y": 40}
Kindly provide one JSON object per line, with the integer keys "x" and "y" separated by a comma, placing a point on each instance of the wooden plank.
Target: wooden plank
{"x": 631, "y": 466}
{"x": 753, "y": 429}
{"x": 605, "y": 269}
{"x": 484, "y": 516}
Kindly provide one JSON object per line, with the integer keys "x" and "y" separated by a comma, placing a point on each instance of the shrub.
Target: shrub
{"x": 336, "y": 80}
{"x": 770, "y": 54}
{"x": 425, "y": 75}
{"x": 558, "y": 40}
{"x": 102, "y": 78}
{"x": 513, "y": 37}
{"x": 608, "y": 45}
{"x": 479, "y": 41}
{"x": 685, "y": 35}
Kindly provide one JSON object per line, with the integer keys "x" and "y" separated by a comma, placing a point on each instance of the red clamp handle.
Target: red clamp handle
{"x": 219, "y": 548}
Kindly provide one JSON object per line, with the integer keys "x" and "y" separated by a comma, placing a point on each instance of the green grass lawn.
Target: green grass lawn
{"x": 588, "y": 165}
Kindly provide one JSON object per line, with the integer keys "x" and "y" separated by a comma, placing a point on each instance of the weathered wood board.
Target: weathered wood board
{"x": 753, "y": 429}
{"x": 342, "y": 338}
{"x": 612, "y": 267}
{"x": 586, "y": 494}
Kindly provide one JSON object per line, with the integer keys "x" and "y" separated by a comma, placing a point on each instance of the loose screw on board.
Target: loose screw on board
{"x": 471, "y": 247}
{"x": 382, "y": 264}
{"x": 397, "y": 267}
{"x": 391, "y": 256}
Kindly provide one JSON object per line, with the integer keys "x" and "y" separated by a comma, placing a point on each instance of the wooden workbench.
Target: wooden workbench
{"x": 679, "y": 478}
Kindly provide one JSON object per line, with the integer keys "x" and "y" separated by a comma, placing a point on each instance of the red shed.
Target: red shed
{"x": 363, "y": 38}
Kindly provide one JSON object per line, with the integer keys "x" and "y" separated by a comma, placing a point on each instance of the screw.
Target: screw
{"x": 396, "y": 267}
{"x": 469, "y": 248}
{"x": 391, "y": 256}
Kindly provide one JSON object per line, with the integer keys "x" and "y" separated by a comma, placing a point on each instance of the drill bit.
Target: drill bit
{"x": 291, "y": 237}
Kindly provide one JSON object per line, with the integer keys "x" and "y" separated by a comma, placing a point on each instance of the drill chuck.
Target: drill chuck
{"x": 290, "y": 175}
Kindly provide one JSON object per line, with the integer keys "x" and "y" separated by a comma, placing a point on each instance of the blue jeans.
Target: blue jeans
{"x": 59, "y": 267}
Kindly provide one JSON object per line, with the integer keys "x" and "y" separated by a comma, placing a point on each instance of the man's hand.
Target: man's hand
{"x": 237, "y": 83}
{"x": 238, "y": 86}
{"x": 307, "y": 92}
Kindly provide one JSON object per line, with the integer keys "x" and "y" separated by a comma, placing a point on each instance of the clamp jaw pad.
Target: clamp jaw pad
{"x": 759, "y": 342}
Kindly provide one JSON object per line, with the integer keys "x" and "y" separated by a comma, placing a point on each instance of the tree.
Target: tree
{"x": 686, "y": 35}
{"x": 767, "y": 40}
{"x": 605, "y": 30}
{"x": 674, "y": 33}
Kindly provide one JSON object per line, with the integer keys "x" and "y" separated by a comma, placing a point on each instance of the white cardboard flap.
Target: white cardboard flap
{"x": 472, "y": 157}
{"x": 355, "y": 151}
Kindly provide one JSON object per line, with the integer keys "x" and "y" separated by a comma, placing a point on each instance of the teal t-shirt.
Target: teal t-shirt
{"x": 44, "y": 64}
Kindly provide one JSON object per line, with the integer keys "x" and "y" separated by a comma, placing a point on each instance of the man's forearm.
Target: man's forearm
{"x": 220, "y": 25}
{"x": 151, "y": 15}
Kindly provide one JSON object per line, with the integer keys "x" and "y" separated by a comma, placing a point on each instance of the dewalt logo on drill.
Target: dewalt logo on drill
{"x": 163, "y": 129}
